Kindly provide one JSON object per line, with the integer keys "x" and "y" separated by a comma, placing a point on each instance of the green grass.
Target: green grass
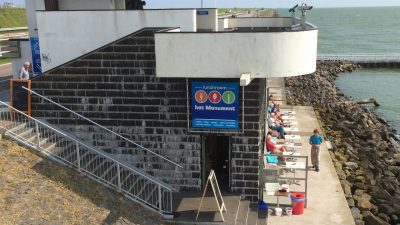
{"x": 13, "y": 18}
{"x": 4, "y": 61}
{"x": 262, "y": 12}
{"x": 224, "y": 10}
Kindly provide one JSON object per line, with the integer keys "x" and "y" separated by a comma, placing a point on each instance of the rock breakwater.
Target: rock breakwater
{"x": 365, "y": 150}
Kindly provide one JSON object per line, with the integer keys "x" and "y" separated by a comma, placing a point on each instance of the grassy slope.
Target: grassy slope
{"x": 12, "y": 18}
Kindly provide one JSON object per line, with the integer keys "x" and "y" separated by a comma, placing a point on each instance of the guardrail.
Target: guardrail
{"x": 361, "y": 58}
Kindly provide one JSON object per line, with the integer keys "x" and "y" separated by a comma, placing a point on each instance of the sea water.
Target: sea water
{"x": 363, "y": 31}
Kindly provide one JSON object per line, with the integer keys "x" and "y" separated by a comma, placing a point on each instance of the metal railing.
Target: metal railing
{"x": 69, "y": 150}
{"x": 361, "y": 58}
{"x": 104, "y": 128}
{"x": 274, "y": 174}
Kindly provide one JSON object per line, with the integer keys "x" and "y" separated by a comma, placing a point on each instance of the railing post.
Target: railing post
{"x": 78, "y": 155}
{"x": 119, "y": 175}
{"x": 159, "y": 197}
{"x": 38, "y": 135}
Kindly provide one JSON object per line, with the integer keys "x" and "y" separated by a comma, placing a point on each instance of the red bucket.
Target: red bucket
{"x": 298, "y": 200}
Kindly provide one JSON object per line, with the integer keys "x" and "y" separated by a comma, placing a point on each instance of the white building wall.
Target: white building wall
{"x": 207, "y": 22}
{"x": 229, "y": 54}
{"x": 65, "y": 35}
{"x": 31, "y": 7}
{"x": 26, "y": 55}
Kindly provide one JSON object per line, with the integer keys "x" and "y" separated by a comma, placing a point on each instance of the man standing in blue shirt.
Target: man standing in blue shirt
{"x": 315, "y": 142}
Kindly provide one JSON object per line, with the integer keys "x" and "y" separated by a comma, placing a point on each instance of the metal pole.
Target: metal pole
{"x": 78, "y": 156}
{"x": 119, "y": 175}
{"x": 159, "y": 197}
{"x": 201, "y": 3}
{"x": 38, "y": 136}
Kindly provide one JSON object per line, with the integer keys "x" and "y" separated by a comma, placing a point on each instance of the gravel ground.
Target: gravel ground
{"x": 34, "y": 190}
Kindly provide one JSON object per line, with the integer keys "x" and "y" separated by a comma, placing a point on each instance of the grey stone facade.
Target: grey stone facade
{"x": 116, "y": 86}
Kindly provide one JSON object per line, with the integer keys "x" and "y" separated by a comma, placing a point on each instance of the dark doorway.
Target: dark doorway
{"x": 215, "y": 154}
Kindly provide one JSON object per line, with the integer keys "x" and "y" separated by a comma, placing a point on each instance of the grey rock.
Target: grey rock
{"x": 356, "y": 213}
{"x": 384, "y": 217}
{"x": 350, "y": 202}
{"x": 351, "y": 165}
{"x": 386, "y": 209}
{"x": 370, "y": 219}
{"x": 360, "y": 222}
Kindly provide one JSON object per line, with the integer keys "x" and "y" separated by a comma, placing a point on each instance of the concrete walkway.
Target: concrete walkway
{"x": 326, "y": 201}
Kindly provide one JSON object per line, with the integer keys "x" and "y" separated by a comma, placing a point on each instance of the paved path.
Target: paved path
{"x": 326, "y": 201}
{"x": 5, "y": 70}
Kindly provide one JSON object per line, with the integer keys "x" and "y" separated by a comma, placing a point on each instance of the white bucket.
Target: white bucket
{"x": 278, "y": 212}
{"x": 288, "y": 211}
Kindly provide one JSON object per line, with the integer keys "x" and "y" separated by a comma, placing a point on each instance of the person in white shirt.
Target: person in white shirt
{"x": 24, "y": 72}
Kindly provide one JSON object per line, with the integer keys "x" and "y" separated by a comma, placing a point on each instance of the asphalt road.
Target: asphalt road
{"x": 5, "y": 70}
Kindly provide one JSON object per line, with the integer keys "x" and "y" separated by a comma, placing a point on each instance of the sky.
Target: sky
{"x": 257, "y": 3}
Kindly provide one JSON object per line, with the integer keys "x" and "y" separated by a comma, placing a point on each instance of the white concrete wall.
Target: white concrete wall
{"x": 222, "y": 24}
{"x": 229, "y": 54}
{"x": 26, "y": 55}
{"x": 66, "y": 35}
{"x": 207, "y": 22}
{"x": 30, "y": 8}
{"x": 85, "y": 4}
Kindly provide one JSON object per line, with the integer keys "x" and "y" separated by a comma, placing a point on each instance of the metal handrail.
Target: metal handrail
{"x": 93, "y": 149}
{"x": 105, "y": 128}
{"x": 67, "y": 149}
{"x": 367, "y": 57}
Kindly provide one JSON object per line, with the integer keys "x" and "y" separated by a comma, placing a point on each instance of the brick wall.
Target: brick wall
{"x": 116, "y": 86}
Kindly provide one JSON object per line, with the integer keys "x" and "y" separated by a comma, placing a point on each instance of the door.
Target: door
{"x": 216, "y": 156}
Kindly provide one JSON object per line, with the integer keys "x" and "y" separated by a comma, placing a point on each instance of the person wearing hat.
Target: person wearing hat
{"x": 315, "y": 142}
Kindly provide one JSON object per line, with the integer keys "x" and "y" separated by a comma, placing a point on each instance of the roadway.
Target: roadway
{"x": 5, "y": 70}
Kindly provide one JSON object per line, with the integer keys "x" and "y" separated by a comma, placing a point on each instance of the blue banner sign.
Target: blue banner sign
{"x": 36, "y": 62}
{"x": 215, "y": 105}
{"x": 202, "y": 13}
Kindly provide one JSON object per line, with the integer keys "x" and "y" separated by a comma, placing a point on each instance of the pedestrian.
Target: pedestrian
{"x": 315, "y": 142}
{"x": 24, "y": 72}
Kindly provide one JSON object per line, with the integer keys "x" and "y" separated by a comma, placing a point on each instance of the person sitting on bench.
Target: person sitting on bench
{"x": 274, "y": 126}
{"x": 271, "y": 147}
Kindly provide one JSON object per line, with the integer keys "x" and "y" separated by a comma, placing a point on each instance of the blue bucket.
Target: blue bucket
{"x": 262, "y": 205}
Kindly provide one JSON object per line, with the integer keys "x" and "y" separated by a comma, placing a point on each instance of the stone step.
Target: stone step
{"x": 242, "y": 212}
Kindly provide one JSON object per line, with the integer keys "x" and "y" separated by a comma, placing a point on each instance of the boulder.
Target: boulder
{"x": 386, "y": 209}
{"x": 351, "y": 165}
{"x": 350, "y": 202}
{"x": 347, "y": 190}
{"x": 370, "y": 219}
{"x": 384, "y": 217}
{"x": 356, "y": 213}
{"x": 364, "y": 202}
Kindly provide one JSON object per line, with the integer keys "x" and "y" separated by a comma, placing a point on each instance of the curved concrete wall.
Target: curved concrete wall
{"x": 229, "y": 54}
{"x": 66, "y": 35}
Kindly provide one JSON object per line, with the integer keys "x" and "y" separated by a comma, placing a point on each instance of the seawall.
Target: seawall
{"x": 365, "y": 154}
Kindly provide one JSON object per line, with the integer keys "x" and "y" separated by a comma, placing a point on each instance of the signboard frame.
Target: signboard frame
{"x": 212, "y": 179}
{"x": 241, "y": 121}
{"x": 13, "y": 92}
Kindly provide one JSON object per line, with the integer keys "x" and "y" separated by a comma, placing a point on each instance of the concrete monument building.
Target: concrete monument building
{"x": 183, "y": 83}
